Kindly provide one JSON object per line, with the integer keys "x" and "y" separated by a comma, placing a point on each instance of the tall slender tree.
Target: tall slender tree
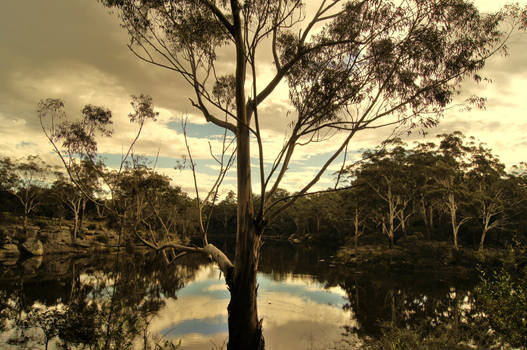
{"x": 350, "y": 66}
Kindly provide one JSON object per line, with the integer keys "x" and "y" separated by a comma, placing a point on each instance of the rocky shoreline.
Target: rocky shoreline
{"x": 18, "y": 242}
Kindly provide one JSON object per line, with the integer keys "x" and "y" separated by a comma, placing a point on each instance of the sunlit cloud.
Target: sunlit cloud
{"x": 89, "y": 64}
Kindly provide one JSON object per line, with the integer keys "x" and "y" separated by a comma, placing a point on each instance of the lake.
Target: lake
{"x": 135, "y": 301}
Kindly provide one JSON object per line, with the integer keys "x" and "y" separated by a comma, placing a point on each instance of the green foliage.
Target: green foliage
{"x": 49, "y": 320}
{"x": 502, "y": 299}
{"x": 167, "y": 345}
{"x": 396, "y": 338}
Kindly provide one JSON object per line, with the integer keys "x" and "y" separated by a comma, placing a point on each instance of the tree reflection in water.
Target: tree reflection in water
{"x": 129, "y": 301}
{"x": 89, "y": 304}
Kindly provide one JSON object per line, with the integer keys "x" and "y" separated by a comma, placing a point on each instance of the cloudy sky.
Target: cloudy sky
{"x": 76, "y": 50}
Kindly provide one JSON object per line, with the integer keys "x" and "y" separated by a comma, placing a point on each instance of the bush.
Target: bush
{"x": 502, "y": 300}
{"x": 445, "y": 337}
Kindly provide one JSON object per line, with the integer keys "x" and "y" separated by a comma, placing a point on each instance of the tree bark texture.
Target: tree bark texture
{"x": 245, "y": 330}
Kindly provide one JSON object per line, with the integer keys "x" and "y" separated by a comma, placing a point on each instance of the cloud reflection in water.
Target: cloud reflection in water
{"x": 298, "y": 312}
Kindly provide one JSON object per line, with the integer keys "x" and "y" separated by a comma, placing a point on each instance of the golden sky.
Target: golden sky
{"x": 76, "y": 50}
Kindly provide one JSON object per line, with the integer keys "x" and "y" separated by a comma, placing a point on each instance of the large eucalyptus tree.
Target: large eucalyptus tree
{"x": 350, "y": 66}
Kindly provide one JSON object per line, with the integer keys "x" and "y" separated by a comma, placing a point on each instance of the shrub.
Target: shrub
{"x": 502, "y": 300}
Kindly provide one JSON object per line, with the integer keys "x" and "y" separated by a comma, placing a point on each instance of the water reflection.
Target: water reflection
{"x": 298, "y": 312}
{"x": 87, "y": 303}
{"x": 136, "y": 301}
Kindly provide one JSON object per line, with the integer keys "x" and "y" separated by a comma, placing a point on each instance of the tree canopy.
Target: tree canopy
{"x": 350, "y": 66}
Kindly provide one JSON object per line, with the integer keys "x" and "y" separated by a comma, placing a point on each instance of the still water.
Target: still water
{"x": 137, "y": 301}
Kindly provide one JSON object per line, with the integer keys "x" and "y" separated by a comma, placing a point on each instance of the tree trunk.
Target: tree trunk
{"x": 75, "y": 226}
{"x": 391, "y": 217}
{"x": 403, "y": 223}
{"x": 483, "y": 235}
{"x": 388, "y": 232}
{"x": 27, "y": 209}
{"x": 245, "y": 330}
{"x": 82, "y": 211}
{"x": 456, "y": 246}
{"x": 453, "y": 220}
{"x": 455, "y": 228}
{"x": 356, "y": 224}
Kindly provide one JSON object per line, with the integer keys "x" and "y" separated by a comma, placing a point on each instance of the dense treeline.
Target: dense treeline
{"x": 139, "y": 199}
{"x": 455, "y": 191}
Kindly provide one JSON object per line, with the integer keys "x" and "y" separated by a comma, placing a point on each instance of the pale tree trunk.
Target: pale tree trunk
{"x": 82, "y": 211}
{"x": 100, "y": 211}
{"x": 455, "y": 232}
{"x": 488, "y": 213}
{"x": 74, "y": 205}
{"x": 387, "y": 232}
{"x": 75, "y": 232}
{"x": 27, "y": 202}
{"x": 452, "y": 205}
{"x": 482, "y": 240}
{"x": 453, "y": 221}
{"x": 403, "y": 219}
{"x": 403, "y": 222}
{"x": 245, "y": 330}
{"x": 487, "y": 226}
{"x": 356, "y": 224}
{"x": 29, "y": 206}
{"x": 391, "y": 217}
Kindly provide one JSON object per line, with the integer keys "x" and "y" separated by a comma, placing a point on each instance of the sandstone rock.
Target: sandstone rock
{"x": 33, "y": 246}
{"x": 31, "y": 265}
{"x": 4, "y": 232}
{"x": 9, "y": 260}
{"x": 9, "y": 250}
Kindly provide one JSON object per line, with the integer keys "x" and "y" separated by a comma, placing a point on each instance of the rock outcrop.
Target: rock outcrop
{"x": 9, "y": 250}
{"x": 32, "y": 246}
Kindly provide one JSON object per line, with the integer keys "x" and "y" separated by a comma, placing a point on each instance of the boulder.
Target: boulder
{"x": 9, "y": 250}
{"x": 31, "y": 266}
{"x": 4, "y": 232}
{"x": 33, "y": 246}
{"x": 9, "y": 261}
